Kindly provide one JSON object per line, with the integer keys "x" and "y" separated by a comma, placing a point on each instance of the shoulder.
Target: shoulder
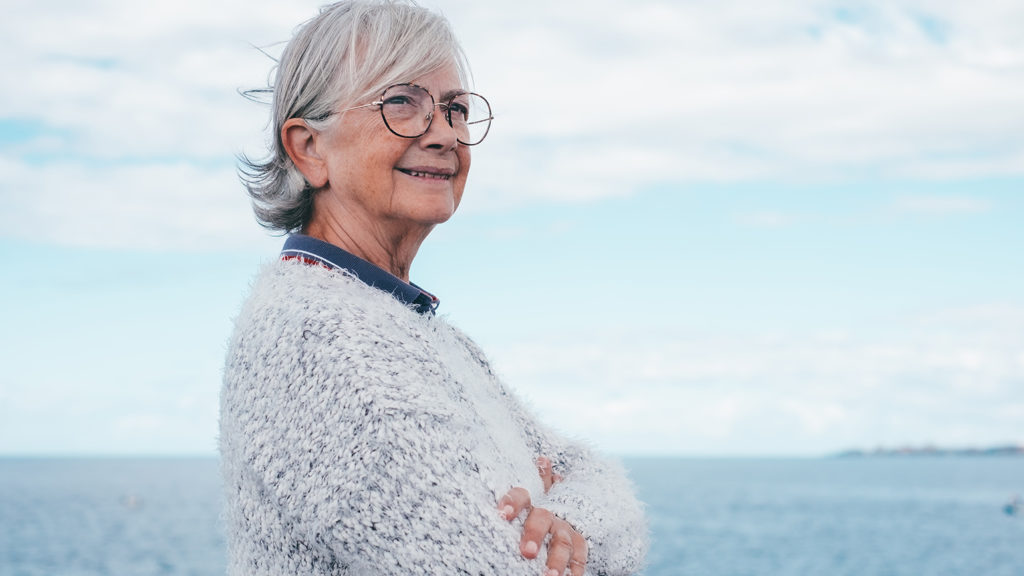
{"x": 294, "y": 299}
{"x": 323, "y": 331}
{"x": 305, "y": 290}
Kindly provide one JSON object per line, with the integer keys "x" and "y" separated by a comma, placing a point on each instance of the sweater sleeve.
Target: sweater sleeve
{"x": 341, "y": 457}
{"x": 595, "y": 496}
{"x": 597, "y": 499}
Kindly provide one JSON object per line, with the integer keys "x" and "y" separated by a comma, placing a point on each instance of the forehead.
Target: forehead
{"x": 442, "y": 83}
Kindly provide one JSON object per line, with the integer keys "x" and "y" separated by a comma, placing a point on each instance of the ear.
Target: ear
{"x": 300, "y": 142}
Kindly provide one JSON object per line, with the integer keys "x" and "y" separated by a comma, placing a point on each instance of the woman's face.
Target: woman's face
{"x": 391, "y": 182}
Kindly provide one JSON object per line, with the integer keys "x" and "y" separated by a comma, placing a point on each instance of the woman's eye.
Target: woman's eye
{"x": 458, "y": 109}
{"x": 399, "y": 101}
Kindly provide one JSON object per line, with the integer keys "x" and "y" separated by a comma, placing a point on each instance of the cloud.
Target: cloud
{"x": 732, "y": 92}
{"x": 950, "y": 378}
{"x": 129, "y": 119}
{"x": 146, "y": 206}
{"x": 936, "y": 205}
{"x": 767, "y": 219}
{"x": 591, "y": 100}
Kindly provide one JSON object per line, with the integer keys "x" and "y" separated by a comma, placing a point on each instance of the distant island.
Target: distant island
{"x": 1008, "y": 450}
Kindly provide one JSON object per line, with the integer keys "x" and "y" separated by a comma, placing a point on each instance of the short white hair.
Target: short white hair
{"x": 345, "y": 56}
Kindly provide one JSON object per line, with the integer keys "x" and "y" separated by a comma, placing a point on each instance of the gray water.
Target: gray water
{"x": 856, "y": 517}
{"x": 868, "y": 517}
{"x": 110, "y": 517}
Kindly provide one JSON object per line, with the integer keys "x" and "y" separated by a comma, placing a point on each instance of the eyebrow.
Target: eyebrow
{"x": 452, "y": 94}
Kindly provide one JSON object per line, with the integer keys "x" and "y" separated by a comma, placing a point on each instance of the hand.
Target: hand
{"x": 547, "y": 474}
{"x": 566, "y": 550}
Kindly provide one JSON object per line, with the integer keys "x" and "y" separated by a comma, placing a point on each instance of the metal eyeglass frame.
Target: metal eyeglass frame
{"x": 446, "y": 106}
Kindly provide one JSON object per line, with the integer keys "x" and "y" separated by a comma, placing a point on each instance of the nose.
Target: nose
{"x": 439, "y": 134}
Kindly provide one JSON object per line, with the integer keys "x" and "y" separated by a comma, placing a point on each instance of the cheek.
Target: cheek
{"x": 465, "y": 161}
{"x": 460, "y": 183}
{"x": 378, "y": 150}
{"x": 378, "y": 166}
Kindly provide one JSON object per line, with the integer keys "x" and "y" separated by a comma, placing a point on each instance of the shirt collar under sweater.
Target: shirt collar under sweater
{"x": 314, "y": 251}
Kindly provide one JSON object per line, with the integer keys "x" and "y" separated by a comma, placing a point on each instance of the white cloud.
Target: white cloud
{"x": 591, "y": 100}
{"x": 816, "y": 417}
{"x": 949, "y": 378}
{"x": 734, "y": 91}
{"x": 937, "y": 205}
{"x": 148, "y": 206}
{"x": 767, "y": 219}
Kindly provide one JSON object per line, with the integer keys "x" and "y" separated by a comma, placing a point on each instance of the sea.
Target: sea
{"x": 895, "y": 516}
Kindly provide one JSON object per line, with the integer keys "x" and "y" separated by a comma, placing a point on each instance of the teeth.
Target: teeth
{"x": 429, "y": 175}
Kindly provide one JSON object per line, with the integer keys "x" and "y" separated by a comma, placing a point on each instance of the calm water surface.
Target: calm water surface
{"x": 118, "y": 517}
{"x": 863, "y": 517}
{"x": 870, "y": 517}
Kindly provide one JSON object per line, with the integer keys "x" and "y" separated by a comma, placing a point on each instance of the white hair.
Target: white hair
{"x": 345, "y": 56}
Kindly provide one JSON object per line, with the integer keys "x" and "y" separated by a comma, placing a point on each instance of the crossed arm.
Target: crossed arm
{"x": 356, "y": 461}
{"x": 589, "y": 510}
{"x": 567, "y": 549}
{"x": 384, "y": 504}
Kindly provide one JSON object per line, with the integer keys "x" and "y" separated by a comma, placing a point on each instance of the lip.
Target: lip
{"x": 428, "y": 172}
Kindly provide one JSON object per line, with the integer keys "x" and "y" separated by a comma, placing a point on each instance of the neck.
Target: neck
{"x": 389, "y": 245}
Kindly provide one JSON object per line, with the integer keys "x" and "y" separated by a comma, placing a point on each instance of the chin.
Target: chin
{"x": 440, "y": 216}
{"x": 436, "y": 210}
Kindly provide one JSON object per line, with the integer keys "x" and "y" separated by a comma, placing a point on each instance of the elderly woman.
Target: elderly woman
{"x": 360, "y": 433}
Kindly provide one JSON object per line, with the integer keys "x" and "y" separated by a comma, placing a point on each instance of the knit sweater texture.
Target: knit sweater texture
{"x": 358, "y": 437}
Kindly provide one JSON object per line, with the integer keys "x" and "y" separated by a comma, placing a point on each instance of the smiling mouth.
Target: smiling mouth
{"x": 424, "y": 174}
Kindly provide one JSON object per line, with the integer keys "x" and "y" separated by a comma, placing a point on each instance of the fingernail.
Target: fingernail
{"x": 506, "y": 512}
{"x": 552, "y": 572}
{"x": 543, "y": 462}
{"x": 530, "y": 548}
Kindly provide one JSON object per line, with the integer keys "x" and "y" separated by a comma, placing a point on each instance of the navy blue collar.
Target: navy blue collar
{"x": 314, "y": 251}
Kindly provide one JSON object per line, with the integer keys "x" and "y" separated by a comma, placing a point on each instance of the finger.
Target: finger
{"x": 544, "y": 469}
{"x": 512, "y": 503}
{"x": 536, "y": 527}
{"x": 578, "y": 560}
{"x": 560, "y": 549}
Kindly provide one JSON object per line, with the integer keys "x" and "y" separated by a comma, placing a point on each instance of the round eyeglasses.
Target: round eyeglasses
{"x": 408, "y": 110}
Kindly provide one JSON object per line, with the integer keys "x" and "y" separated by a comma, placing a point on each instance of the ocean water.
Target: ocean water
{"x": 773, "y": 517}
{"x": 110, "y": 517}
{"x": 856, "y": 517}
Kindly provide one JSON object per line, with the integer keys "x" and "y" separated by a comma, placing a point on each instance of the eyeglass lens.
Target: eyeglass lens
{"x": 408, "y": 111}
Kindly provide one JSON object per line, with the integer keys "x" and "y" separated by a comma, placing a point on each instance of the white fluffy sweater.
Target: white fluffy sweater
{"x": 361, "y": 438}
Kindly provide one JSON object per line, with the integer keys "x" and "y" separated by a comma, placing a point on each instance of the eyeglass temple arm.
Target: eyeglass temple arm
{"x": 377, "y": 103}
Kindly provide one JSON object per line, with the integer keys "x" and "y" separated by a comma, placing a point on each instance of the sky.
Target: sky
{"x": 784, "y": 228}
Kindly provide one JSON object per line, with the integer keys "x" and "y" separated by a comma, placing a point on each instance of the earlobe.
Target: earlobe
{"x": 300, "y": 142}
